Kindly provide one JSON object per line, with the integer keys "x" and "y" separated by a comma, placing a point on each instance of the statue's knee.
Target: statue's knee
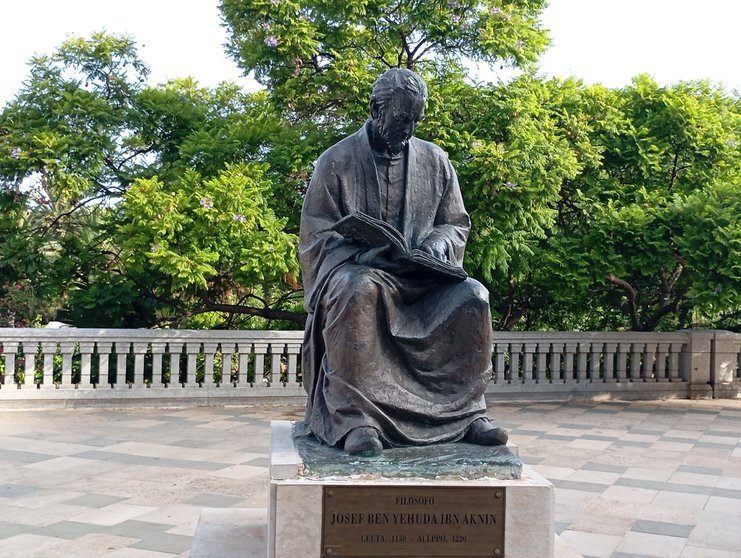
{"x": 477, "y": 293}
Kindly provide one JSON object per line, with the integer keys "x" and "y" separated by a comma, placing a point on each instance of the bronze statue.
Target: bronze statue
{"x": 397, "y": 348}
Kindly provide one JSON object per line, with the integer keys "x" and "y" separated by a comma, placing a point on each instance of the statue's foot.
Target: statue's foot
{"x": 483, "y": 433}
{"x": 363, "y": 441}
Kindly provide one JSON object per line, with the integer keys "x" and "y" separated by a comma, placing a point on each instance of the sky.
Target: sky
{"x": 600, "y": 41}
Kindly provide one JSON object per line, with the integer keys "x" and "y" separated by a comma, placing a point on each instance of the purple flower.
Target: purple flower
{"x": 475, "y": 144}
{"x": 456, "y": 18}
{"x": 511, "y": 185}
{"x": 208, "y": 203}
{"x": 275, "y": 2}
{"x": 271, "y": 41}
{"x": 239, "y": 217}
{"x": 453, "y": 4}
{"x": 494, "y": 10}
{"x": 15, "y": 153}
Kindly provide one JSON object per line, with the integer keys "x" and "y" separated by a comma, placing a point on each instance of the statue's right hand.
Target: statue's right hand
{"x": 372, "y": 255}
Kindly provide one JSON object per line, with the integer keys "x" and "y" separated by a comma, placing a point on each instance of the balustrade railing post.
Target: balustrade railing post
{"x": 622, "y": 361}
{"x": 499, "y": 352}
{"x": 140, "y": 350}
{"x": 568, "y": 366}
{"x": 29, "y": 364}
{"x": 514, "y": 362}
{"x": 661, "y": 352}
{"x": 104, "y": 352}
{"x": 527, "y": 365}
{"x": 293, "y": 350}
{"x": 175, "y": 350}
{"x": 695, "y": 363}
{"x": 609, "y": 362}
{"x": 276, "y": 364}
{"x": 86, "y": 369}
{"x": 48, "y": 350}
{"x": 158, "y": 353}
{"x": 9, "y": 351}
{"x": 227, "y": 354}
{"x": 192, "y": 349}
{"x": 244, "y": 350}
{"x": 209, "y": 351}
{"x": 594, "y": 362}
{"x": 636, "y": 350}
{"x": 67, "y": 348}
{"x": 556, "y": 351}
{"x": 581, "y": 362}
{"x": 541, "y": 367}
{"x": 261, "y": 349}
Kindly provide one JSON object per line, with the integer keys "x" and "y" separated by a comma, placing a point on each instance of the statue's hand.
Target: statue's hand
{"x": 438, "y": 249}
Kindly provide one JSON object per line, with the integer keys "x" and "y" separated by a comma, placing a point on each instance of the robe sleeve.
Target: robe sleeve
{"x": 322, "y": 250}
{"x": 452, "y": 224}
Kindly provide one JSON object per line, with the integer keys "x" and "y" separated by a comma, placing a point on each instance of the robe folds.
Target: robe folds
{"x": 407, "y": 355}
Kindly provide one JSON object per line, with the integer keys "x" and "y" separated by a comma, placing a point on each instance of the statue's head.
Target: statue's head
{"x": 397, "y": 104}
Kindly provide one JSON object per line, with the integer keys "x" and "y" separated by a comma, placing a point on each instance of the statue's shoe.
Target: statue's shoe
{"x": 363, "y": 441}
{"x": 483, "y": 433}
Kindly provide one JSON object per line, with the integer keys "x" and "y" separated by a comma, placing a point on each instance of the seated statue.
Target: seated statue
{"x": 394, "y": 354}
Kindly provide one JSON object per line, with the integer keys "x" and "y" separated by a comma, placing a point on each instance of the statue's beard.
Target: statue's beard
{"x": 395, "y": 144}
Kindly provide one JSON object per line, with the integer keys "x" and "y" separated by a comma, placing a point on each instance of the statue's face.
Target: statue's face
{"x": 395, "y": 122}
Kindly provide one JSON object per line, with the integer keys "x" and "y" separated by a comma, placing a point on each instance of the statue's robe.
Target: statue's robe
{"x": 410, "y": 356}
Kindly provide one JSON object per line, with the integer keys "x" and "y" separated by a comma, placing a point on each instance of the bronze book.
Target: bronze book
{"x": 374, "y": 233}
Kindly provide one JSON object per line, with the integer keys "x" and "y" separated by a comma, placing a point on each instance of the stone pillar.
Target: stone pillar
{"x": 695, "y": 363}
{"x": 725, "y": 376}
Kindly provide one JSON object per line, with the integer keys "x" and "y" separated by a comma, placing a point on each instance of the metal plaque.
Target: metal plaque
{"x": 399, "y": 521}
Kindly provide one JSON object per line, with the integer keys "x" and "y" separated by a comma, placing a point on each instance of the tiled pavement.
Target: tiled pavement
{"x": 633, "y": 480}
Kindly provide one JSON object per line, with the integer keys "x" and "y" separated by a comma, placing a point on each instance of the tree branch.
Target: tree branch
{"x": 630, "y": 294}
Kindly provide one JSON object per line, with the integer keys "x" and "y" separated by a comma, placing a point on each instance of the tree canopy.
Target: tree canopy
{"x": 125, "y": 204}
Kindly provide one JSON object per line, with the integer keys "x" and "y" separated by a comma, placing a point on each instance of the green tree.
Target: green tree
{"x": 80, "y": 139}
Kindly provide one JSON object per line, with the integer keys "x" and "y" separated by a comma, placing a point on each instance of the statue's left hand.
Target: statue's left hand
{"x": 437, "y": 248}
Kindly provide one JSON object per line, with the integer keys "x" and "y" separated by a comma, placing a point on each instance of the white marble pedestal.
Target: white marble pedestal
{"x": 295, "y": 511}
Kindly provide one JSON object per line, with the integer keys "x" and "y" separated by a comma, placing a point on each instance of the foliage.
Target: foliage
{"x": 128, "y": 205}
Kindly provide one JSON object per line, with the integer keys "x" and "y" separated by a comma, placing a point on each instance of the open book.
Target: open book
{"x": 374, "y": 233}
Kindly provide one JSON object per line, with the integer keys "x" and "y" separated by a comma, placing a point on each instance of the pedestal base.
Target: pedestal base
{"x": 385, "y": 516}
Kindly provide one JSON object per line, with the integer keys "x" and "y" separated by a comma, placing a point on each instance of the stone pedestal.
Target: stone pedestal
{"x": 447, "y": 500}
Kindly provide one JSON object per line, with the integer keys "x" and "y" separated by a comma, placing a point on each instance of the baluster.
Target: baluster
{"x": 514, "y": 362}
{"x": 67, "y": 348}
{"x": 122, "y": 352}
{"x": 29, "y": 367}
{"x": 293, "y": 350}
{"x": 556, "y": 351}
{"x": 527, "y": 365}
{"x": 261, "y": 350}
{"x": 581, "y": 362}
{"x": 209, "y": 350}
{"x": 276, "y": 368}
{"x": 140, "y": 349}
{"x": 649, "y": 358}
{"x": 662, "y": 374}
{"x": 541, "y": 368}
{"x": 192, "y": 349}
{"x": 104, "y": 351}
{"x": 9, "y": 350}
{"x": 227, "y": 352}
{"x": 568, "y": 367}
{"x": 635, "y": 361}
{"x": 48, "y": 349}
{"x": 86, "y": 371}
{"x": 175, "y": 350}
{"x": 244, "y": 363}
{"x": 673, "y": 372}
{"x": 158, "y": 354}
{"x": 609, "y": 359}
{"x": 499, "y": 351}
{"x": 594, "y": 366}
{"x": 622, "y": 361}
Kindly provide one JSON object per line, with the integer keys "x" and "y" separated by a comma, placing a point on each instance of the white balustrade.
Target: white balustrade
{"x": 613, "y": 363}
